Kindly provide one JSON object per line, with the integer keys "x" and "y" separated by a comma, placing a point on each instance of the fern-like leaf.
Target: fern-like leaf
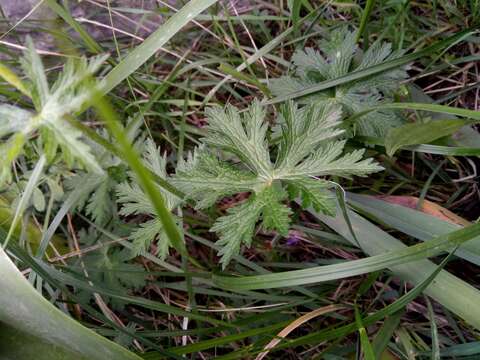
{"x": 71, "y": 90}
{"x": 237, "y": 228}
{"x": 339, "y": 56}
{"x": 313, "y": 192}
{"x": 307, "y": 148}
{"x": 135, "y": 202}
{"x": 206, "y": 179}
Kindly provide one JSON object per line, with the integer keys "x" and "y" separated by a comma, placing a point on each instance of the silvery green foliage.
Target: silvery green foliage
{"x": 72, "y": 89}
{"x": 135, "y": 202}
{"x": 98, "y": 200}
{"x": 307, "y": 149}
{"x": 339, "y": 56}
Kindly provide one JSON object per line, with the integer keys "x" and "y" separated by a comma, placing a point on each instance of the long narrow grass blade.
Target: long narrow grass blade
{"x": 154, "y": 42}
{"x": 338, "y": 332}
{"x": 414, "y": 223}
{"x": 457, "y": 351}
{"x": 413, "y": 134}
{"x": 365, "y": 16}
{"x": 295, "y": 324}
{"x": 258, "y": 54}
{"x": 26, "y": 196}
{"x": 351, "y": 268}
{"x": 388, "y": 65}
{"x": 434, "y": 332}
{"x": 450, "y": 291}
{"x": 61, "y": 11}
{"x": 442, "y": 109}
{"x": 383, "y": 336}
{"x": 25, "y": 310}
{"x": 367, "y": 349}
{"x": 144, "y": 176}
{"x": 445, "y": 150}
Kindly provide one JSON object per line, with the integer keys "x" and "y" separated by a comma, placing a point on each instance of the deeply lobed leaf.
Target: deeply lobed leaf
{"x": 307, "y": 148}
{"x": 72, "y": 89}
{"x": 134, "y": 201}
{"x": 339, "y": 56}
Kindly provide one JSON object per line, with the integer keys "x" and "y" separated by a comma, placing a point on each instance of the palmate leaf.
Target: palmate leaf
{"x": 313, "y": 192}
{"x": 206, "y": 179}
{"x": 307, "y": 148}
{"x": 339, "y": 56}
{"x": 71, "y": 90}
{"x": 243, "y": 136}
{"x": 134, "y": 201}
{"x": 275, "y": 214}
{"x": 238, "y": 226}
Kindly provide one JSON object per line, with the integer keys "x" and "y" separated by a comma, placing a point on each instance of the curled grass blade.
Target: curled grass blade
{"x": 295, "y": 324}
{"x": 343, "y": 330}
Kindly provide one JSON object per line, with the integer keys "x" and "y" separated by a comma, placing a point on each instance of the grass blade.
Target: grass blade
{"x": 414, "y": 223}
{"x": 341, "y": 331}
{"x": 444, "y": 109}
{"x": 25, "y": 310}
{"x": 388, "y": 65}
{"x": 413, "y": 134}
{"x": 434, "y": 332}
{"x": 468, "y": 349}
{"x": 61, "y": 11}
{"x": 380, "y": 342}
{"x": 434, "y": 149}
{"x": 445, "y": 150}
{"x": 350, "y": 268}
{"x": 450, "y": 291}
{"x": 153, "y": 43}
{"x": 365, "y": 15}
{"x": 27, "y": 194}
{"x": 144, "y": 176}
{"x": 367, "y": 349}
{"x": 295, "y": 324}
